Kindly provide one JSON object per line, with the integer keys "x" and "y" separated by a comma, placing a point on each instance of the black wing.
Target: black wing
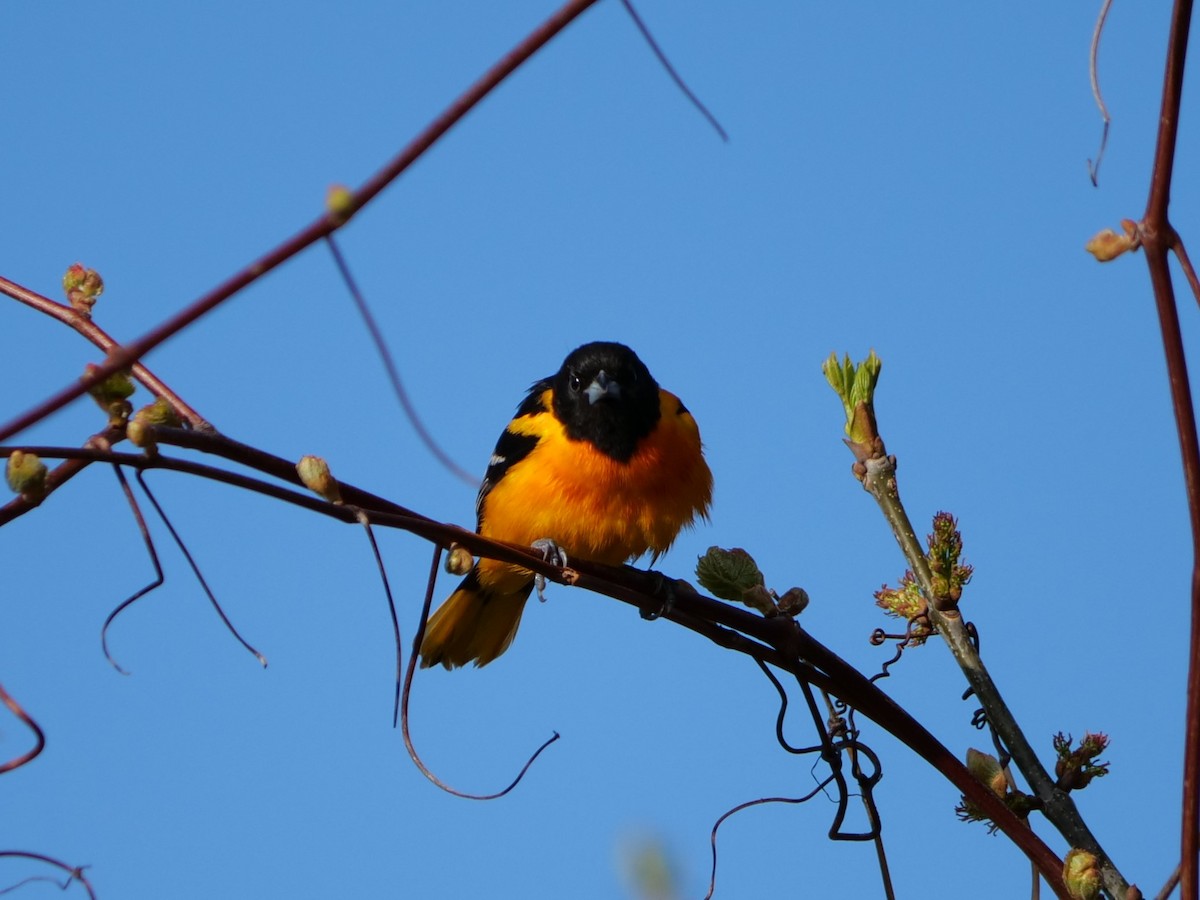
{"x": 512, "y": 447}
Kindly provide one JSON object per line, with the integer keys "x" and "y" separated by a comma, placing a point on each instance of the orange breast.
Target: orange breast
{"x": 594, "y": 506}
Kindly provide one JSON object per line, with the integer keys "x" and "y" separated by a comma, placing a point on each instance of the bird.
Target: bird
{"x": 598, "y": 462}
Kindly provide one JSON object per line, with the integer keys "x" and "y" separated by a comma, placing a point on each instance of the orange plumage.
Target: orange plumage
{"x": 598, "y": 459}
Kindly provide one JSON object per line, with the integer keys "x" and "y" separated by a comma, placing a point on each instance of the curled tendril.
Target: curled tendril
{"x": 39, "y": 736}
{"x": 365, "y": 521}
{"x": 712, "y": 881}
{"x": 393, "y": 371}
{"x": 196, "y": 570}
{"x": 153, "y": 554}
{"x": 779, "y": 719}
{"x": 407, "y": 693}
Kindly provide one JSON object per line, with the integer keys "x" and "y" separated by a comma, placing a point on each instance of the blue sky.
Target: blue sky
{"x": 909, "y": 179}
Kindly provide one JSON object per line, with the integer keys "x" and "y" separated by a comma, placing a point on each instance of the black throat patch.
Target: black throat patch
{"x": 614, "y": 425}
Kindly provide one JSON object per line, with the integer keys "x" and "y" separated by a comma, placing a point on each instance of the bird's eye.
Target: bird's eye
{"x": 575, "y": 383}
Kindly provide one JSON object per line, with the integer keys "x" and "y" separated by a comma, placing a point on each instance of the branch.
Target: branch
{"x": 98, "y": 336}
{"x": 57, "y": 477}
{"x": 939, "y": 595}
{"x": 777, "y": 641}
{"x": 1158, "y": 237}
{"x": 1059, "y": 808}
{"x": 325, "y": 225}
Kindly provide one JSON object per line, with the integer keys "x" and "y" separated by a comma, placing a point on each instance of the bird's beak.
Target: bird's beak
{"x": 602, "y": 388}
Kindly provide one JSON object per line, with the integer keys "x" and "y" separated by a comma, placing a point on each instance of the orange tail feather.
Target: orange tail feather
{"x": 475, "y": 624}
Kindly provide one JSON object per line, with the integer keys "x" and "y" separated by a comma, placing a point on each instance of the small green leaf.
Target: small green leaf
{"x": 728, "y": 574}
{"x": 855, "y": 387}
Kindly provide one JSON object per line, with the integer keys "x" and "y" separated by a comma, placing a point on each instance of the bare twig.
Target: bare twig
{"x": 57, "y": 477}
{"x": 1158, "y": 237}
{"x": 98, "y": 336}
{"x": 326, "y": 224}
{"x": 1169, "y": 887}
{"x": 1185, "y": 263}
{"x": 1059, "y": 808}
{"x": 778, "y": 641}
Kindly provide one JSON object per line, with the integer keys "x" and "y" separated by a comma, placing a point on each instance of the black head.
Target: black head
{"x": 605, "y": 395}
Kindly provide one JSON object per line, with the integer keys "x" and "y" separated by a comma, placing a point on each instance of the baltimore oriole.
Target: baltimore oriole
{"x": 600, "y": 461}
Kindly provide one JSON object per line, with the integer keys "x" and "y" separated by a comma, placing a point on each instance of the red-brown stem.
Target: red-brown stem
{"x": 323, "y": 226}
{"x": 1157, "y": 238}
{"x": 56, "y": 478}
{"x": 1185, "y": 263}
{"x": 776, "y": 641}
{"x": 98, "y": 336}
{"x": 1168, "y": 123}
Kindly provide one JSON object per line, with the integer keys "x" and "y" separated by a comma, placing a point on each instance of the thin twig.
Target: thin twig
{"x": 57, "y": 477}
{"x": 1094, "y": 74}
{"x": 38, "y": 735}
{"x": 675, "y": 76}
{"x": 408, "y": 677}
{"x": 196, "y": 570}
{"x": 389, "y": 363}
{"x": 1158, "y": 237}
{"x": 326, "y": 224}
{"x": 1185, "y": 263}
{"x": 98, "y": 336}
{"x": 1058, "y": 806}
{"x": 1169, "y": 887}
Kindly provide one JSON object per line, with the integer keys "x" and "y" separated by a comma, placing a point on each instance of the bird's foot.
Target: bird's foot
{"x": 551, "y": 553}
{"x": 664, "y": 589}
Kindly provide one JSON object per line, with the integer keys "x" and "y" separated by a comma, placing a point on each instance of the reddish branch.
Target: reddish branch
{"x": 98, "y": 336}
{"x": 325, "y": 225}
{"x": 57, "y": 477}
{"x": 779, "y": 642}
{"x": 1158, "y": 238}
